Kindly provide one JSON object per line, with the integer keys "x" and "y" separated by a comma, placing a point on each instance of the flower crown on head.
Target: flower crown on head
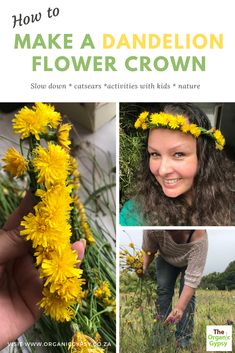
{"x": 177, "y": 122}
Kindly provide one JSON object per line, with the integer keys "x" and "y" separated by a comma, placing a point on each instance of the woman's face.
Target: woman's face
{"x": 172, "y": 160}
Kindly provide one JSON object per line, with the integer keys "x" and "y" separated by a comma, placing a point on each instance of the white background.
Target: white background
{"x": 98, "y": 17}
{"x": 130, "y": 17}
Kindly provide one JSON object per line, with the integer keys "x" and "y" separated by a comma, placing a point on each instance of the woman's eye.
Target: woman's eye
{"x": 179, "y": 154}
{"x": 154, "y": 154}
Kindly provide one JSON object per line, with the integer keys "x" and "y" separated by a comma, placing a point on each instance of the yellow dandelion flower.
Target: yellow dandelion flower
{"x": 133, "y": 262}
{"x": 98, "y": 293}
{"x": 89, "y": 237}
{"x": 51, "y": 164}
{"x": 40, "y": 254}
{"x": 139, "y": 265}
{"x": 55, "y": 307}
{"x": 84, "y": 294}
{"x": 56, "y": 201}
{"x": 130, "y": 259}
{"x": 163, "y": 119}
{"x": 219, "y": 138}
{"x": 103, "y": 291}
{"x": 132, "y": 245}
{"x": 74, "y": 166}
{"x": 70, "y": 290}
{"x": 181, "y": 120}
{"x": 194, "y": 130}
{"x": 83, "y": 344}
{"x": 113, "y": 303}
{"x": 15, "y": 163}
{"x": 154, "y": 119}
{"x": 144, "y": 126}
{"x": 47, "y": 113}
{"x": 27, "y": 122}
{"x": 143, "y": 117}
{"x": 80, "y": 340}
{"x": 107, "y": 301}
{"x": 63, "y": 135}
{"x": 139, "y": 271}
{"x": 76, "y": 183}
{"x": 138, "y": 123}
{"x": 75, "y": 173}
{"x": 95, "y": 350}
{"x": 173, "y": 123}
{"x": 85, "y": 227}
{"x": 185, "y": 128}
{"x": 218, "y": 146}
{"x": 97, "y": 337}
{"x": 60, "y": 266}
{"x": 45, "y": 231}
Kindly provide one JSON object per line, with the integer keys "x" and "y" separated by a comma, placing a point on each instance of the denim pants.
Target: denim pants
{"x": 166, "y": 278}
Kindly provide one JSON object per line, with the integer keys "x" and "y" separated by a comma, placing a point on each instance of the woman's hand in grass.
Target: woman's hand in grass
{"x": 174, "y": 317}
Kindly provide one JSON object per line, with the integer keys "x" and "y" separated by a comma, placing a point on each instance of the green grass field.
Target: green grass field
{"x": 139, "y": 331}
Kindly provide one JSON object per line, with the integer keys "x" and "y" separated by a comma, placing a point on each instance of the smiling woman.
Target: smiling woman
{"x": 181, "y": 179}
{"x": 173, "y": 160}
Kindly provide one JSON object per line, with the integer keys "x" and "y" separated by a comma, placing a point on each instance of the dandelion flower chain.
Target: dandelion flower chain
{"x": 50, "y": 232}
{"x": 164, "y": 120}
{"x": 55, "y": 179}
{"x": 58, "y": 218}
{"x": 86, "y": 229}
{"x": 48, "y": 227}
{"x": 79, "y": 205}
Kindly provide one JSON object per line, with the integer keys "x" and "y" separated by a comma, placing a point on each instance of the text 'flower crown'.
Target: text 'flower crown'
{"x": 177, "y": 122}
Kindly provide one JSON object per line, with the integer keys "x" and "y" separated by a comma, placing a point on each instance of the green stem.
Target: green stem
{"x": 100, "y": 312}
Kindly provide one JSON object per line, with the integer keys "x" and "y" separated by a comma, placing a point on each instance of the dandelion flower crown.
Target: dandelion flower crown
{"x": 177, "y": 122}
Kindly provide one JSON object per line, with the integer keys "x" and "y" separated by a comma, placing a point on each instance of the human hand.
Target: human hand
{"x": 80, "y": 247}
{"x": 140, "y": 273}
{"x": 174, "y": 317}
{"x": 147, "y": 259}
{"x": 20, "y": 285}
{"x": 22, "y": 210}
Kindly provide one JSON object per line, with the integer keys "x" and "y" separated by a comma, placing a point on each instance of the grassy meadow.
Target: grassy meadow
{"x": 141, "y": 332}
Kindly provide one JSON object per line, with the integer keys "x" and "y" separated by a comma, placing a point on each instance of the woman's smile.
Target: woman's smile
{"x": 171, "y": 181}
{"x": 172, "y": 160}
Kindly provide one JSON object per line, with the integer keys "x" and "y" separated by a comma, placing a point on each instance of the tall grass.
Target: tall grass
{"x": 141, "y": 331}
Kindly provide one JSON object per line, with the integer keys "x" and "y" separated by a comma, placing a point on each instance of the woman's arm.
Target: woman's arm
{"x": 178, "y": 311}
{"x": 185, "y": 297}
{"x": 150, "y": 247}
{"x": 147, "y": 261}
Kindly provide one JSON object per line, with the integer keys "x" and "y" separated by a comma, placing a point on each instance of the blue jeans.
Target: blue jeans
{"x": 166, "y": 278}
